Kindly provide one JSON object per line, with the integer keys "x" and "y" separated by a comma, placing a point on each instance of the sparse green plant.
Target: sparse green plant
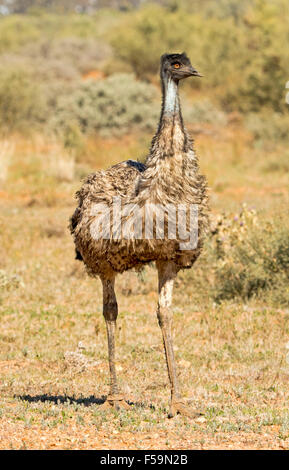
{"x": 250, "y": 257}
{"x": 268, "y": 127}
{"x": 8, "y": 281}
{"x": 204, "y": 111}
{"x": 111, "y": 106}
{"x": 22, "y": 103}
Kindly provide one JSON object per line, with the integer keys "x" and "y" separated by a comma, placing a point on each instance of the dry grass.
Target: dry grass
{"x": 6, "y": 152}
{"x": 53, "y": 363}
{"x": 58, "y": 163}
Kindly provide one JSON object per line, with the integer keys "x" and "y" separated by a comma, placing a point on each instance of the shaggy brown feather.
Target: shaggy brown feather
{"x": 170, "y": 175}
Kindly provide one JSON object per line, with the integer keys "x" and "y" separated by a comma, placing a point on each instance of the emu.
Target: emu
{"x": 170, "y": 176}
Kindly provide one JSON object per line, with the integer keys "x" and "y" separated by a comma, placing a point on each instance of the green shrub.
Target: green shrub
{"x": 18, "y": 30}
{"x": 110, "y": 106}
{"x": 22, "y": 101}
{"x": 278, "y": 162}
{"x": 60, "y": 59}
{"x": 203, "y": 111}
{"x": 147, "y": 34}
{"x": 250, "y": 258}
{"x": 72, "y": 53}
{"x": 269, "y": 126}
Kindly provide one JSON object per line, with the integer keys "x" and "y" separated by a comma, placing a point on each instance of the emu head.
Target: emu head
{"x": 177, "y": 66}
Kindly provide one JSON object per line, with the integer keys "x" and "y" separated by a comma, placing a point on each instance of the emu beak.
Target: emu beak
{"x": 195, "y": 73}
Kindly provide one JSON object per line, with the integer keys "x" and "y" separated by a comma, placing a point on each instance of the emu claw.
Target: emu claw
{"x": 114, "y": 401}
{"x": 178, "y": 406}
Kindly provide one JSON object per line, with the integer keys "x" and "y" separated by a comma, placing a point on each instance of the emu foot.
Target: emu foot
{"x": 114, "y": 401}
{"x": 179, "y": 406}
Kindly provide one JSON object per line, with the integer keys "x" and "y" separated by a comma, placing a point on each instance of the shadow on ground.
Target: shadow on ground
{"x": 86, "y": 401}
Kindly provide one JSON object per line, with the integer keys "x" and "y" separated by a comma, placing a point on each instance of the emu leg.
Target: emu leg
{"x": 110, "y": 311}
{"x": 167, "y": 272}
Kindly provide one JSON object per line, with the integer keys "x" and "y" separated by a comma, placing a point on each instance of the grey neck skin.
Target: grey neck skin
{"x": 171, "y": 103}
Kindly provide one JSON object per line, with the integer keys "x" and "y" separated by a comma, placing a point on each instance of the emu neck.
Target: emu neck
{"x": 171, "y": 156}
{"x": 171, "y": 138}
{"x": 171, "y": 104}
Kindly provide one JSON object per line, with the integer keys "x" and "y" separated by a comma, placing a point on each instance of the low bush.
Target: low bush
{"x": 249, "y": 257}
{"x": 22, "y": 101}
{"x": 269, "y": 126}
{"x": 111, "y": 106}
{"x": 278, "y": 162}
{"x": 204, "y": 111}
{"x": 65, "y": 56}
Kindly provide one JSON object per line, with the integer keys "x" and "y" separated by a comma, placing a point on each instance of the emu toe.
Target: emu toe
{"x": 114, "y": 401}
{"x": 179, "y": 406}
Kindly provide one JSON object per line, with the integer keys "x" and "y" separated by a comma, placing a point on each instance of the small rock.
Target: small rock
{"x": 201, "y": 419}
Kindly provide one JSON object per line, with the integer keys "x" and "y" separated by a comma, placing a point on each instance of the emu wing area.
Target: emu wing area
{"x": 100, "y": 187}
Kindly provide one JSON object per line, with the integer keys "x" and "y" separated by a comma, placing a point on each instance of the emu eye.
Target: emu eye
{"x": 176, "y": 65}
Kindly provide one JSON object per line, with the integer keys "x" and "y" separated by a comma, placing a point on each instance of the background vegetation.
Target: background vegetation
{"x": 79, "y": 90}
